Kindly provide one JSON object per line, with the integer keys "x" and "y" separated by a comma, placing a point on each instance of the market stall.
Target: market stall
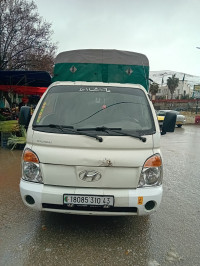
{"x": 19, "y": 85}
{"x": 18, "y": 88}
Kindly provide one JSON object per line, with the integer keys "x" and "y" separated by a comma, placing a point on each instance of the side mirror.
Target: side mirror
{"x": 169, "y": 123}
{"x": 25, "y": 116}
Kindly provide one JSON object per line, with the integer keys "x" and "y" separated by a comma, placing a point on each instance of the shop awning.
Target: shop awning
{"x": 25, "y": 82}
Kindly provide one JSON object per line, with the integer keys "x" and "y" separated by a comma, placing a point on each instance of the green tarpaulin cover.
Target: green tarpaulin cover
{"x": 112, "y": 66}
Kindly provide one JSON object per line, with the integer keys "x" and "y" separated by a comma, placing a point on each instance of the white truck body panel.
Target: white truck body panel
{"x": 118, "y": 160}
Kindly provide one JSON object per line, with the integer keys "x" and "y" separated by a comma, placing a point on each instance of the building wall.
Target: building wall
{"x": 186, "y": 105}
{"x": 183, "y": 89}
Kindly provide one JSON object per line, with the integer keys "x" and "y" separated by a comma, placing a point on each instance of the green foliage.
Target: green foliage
{"x": 185, "y": 96}
{"x": 2, "y": 118}
{"x": 9, "y": 126}
{"x": 15, "y": 140}
{"x": 153, "y": 88}
{"x": 161, "y": 97}
{"x": 172, "y": 83}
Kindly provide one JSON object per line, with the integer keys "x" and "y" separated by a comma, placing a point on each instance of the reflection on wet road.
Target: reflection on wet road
{"x": 171, "y": 236}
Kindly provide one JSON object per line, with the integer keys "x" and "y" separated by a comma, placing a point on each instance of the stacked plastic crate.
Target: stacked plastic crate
{"x": 6, "y": 129}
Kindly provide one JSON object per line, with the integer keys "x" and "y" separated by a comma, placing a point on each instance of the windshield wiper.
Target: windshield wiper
{"x": 116, "y": 130}
{"x": 63, "y": 129}
{"x": 53, "y": 126}
{"x": 98, "y": 128}
{"x": 109, "y": 106}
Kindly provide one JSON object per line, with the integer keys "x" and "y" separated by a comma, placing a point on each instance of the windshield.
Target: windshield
{"x": 83, "y": 107}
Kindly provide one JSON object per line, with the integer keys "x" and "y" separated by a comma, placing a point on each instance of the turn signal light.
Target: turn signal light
{"x": 30, "y": 156}
{"x": 154, "y": 161}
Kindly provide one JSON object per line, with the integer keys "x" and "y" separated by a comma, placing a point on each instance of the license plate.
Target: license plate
{"x": 88, "y": 200}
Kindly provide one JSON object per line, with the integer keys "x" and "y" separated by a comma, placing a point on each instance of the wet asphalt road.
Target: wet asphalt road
{"x": 171, "y": 236}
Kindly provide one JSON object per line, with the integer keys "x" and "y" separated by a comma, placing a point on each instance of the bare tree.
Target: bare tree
{"x": 25, "y": 38}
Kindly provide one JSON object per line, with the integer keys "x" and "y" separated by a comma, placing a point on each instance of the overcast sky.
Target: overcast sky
{"x": 166, "y": 31}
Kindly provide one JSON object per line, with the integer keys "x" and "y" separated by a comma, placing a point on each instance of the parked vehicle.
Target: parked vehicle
{"x": 180, "y": 120}
{"x": 93, "y": 142}
{"x": 179, "y": 109}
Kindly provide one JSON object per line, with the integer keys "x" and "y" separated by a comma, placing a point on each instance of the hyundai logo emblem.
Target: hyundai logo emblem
{"x": 89, "y": 176}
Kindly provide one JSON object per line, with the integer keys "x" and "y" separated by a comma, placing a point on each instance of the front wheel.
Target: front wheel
{"x": 179, "y": 125}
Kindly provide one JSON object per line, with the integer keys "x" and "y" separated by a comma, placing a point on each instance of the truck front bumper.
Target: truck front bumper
{"x": 140, "y": 201}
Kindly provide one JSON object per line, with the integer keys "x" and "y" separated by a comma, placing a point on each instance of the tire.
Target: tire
{"x": 179, "y": 125}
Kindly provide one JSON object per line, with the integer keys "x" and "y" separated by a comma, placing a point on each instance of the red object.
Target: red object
{"x": 25, "y": 100}
{"x": 197, "y": 119}
{"x": 28, "y": 90}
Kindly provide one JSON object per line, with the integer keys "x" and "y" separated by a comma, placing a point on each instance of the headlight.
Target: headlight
{"x": 152, "y": 172}
{"x": 31, "y": 167}
{"x": 31, "y": 172}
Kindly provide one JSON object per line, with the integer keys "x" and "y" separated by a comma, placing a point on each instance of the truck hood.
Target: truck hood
{"x": 118, "y": 160}
{"x": 68, "y": 149}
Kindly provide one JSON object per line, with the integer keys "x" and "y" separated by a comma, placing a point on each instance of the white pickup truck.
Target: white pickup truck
{"x": 93, "y": 142}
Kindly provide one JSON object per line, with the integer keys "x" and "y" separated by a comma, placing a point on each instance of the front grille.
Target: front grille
{"x": 89, "y": 208}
